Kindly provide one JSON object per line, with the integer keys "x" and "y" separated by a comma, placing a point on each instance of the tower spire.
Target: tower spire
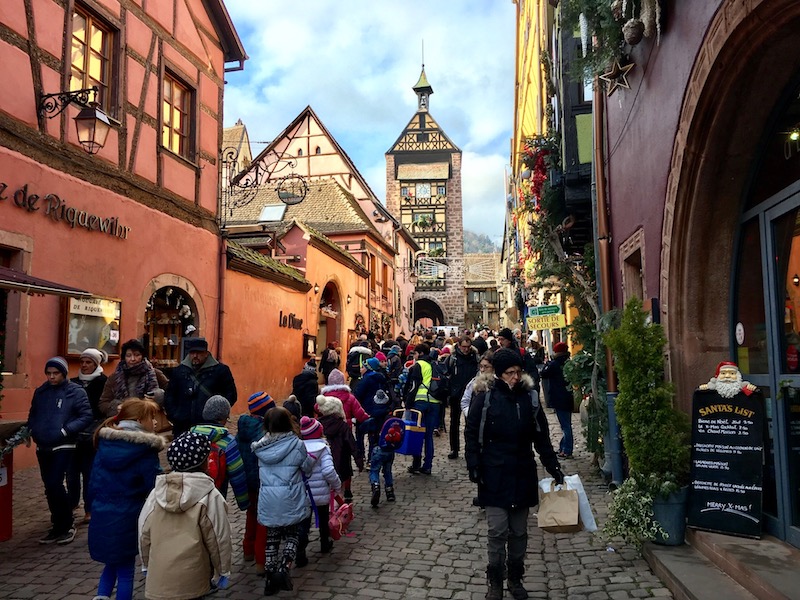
{"x": 422, "y": 87}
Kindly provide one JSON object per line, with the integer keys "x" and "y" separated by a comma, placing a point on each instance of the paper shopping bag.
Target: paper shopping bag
{"x": 559, "y": 510}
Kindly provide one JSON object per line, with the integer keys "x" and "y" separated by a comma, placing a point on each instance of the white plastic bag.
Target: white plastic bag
{"x": 573, "y": 482}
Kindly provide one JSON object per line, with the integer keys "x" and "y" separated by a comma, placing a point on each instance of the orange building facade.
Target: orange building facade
{"x": 123, "y": 243}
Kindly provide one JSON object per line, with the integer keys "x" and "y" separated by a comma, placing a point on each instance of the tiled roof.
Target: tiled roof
{"x": 329, "y": 242}
{"x": 260, "y": 260}
{"x": 327, "y": 208}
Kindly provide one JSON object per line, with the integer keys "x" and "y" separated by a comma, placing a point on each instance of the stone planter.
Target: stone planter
{"x": 670, "y": 513}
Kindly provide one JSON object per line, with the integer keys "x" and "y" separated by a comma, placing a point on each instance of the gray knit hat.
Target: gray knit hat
{"x": 57, "y": 363}
{"x": 216, "y": 409}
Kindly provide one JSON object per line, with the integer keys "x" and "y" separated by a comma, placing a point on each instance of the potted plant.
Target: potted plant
{"x": 656, "y": 436}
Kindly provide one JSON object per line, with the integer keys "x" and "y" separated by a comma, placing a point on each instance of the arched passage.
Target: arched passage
{"x": 427, "y": 308}
{"x": 725, "y": 112}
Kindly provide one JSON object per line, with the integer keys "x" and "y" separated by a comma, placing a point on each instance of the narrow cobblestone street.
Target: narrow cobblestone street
{"x": 429, "y": 544}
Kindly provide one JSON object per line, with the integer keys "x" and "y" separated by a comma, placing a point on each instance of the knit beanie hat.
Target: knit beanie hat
{"x": 216, "y": 409}
{"x": 381, "y": 397}
{"x": 329, "y": 405}
{"x": 310, "y": 429}
{"x": 259, "y": 403}
{"x": 507, "y": 334}
{"x": 311, "y": 365}
{"x": 560, "y": 348}
{"x": 188, "y": 452}
{"x": 100, "y": 357}
{"x": 394, "y": 350}
{"x": 380, "y": 356}
{"x": 336, "y": 377}
{"x": 292, "y": 404}
{"x": 505, "y": 359}
{"x": 373, "y": 363}
{"x": 57, "y": 363}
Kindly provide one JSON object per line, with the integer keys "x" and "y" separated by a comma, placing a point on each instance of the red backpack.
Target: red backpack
{"x": 341, "y": 515}
{"x": 217, "y": 467}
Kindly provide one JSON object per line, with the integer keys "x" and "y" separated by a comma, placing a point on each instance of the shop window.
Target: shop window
{"x": 92, "y": 58}
{"x": 385, "y": 280}
{"x": 10, "y": 307}
{"x": 176, "y": 117}
{"x": 169, "y": 318}
{"x": 373, "y": 272}
{"x": 749, "y": 314}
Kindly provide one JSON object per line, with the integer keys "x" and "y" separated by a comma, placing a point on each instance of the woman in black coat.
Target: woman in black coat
{"x": 504, "y": 424}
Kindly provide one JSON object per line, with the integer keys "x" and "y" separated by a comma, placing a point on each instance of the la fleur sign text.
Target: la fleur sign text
{"x": 289, "y": 321}
{"x": 57, "y": 209}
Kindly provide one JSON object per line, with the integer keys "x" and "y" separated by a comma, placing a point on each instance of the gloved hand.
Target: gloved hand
{"x": 558, "y": 476}
{"x": 474, "y": 475}
{"x": 222, "y": 582}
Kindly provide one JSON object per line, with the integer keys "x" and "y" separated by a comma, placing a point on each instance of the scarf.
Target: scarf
{"x": 91, "y": 376}
{"x": 146, "y": 382}
{"x": 130, "y": 425}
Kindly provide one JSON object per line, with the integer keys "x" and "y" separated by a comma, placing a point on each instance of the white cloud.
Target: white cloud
{"x": 355, "y": 63}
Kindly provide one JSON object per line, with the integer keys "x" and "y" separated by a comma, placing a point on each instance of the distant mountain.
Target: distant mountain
{"x": 478, "y": 243}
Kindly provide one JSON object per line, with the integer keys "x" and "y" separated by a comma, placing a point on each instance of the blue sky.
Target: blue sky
{"x": 355, "y": 62}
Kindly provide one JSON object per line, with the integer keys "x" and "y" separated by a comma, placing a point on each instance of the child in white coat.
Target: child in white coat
{"x": 322, "y": 480}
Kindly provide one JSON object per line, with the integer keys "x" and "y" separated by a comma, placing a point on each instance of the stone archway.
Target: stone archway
{"x": 330, "y": 316}
{"x": 428, "y": 308}
{"x": 724, "y": 114}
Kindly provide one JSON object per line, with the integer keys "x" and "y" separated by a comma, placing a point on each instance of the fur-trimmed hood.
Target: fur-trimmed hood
{"x": 134, "y": 437}
{"x": 486, "y": 381}
{"x": 325, "y": 391}
{"x": 121, "y": 449}
{"x": 361, "y": 349}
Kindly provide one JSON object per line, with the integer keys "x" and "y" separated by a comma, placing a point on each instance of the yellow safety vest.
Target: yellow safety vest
{"x": 422, "y": 390}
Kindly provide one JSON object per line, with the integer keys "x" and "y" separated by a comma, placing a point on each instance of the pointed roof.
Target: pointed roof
{"x": 423, "y": 133}
{"x": 422, "y": 85}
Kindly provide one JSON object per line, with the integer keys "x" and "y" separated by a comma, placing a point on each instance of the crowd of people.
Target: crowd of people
{"x": 286, "y": 464}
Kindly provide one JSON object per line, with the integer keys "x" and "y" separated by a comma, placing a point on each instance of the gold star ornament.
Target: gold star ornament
{"x": 617, "y": 77}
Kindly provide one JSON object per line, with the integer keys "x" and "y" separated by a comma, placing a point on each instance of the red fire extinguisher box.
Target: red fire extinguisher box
{"x": 6, "y": 495}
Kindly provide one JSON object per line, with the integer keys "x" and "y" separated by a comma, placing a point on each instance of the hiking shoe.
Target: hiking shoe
{"x": 50, "y": 538}
{"x": 348, "y": 496}
{"x": 564, "y": 455}
{"x": 376, "y": 495}
{"x": 390, "y": 493}
{"x": 425, "y": 471}
{"x": 284, "y": 580}
{"x": 326, "y": 546}
{"x": 452, "y": 455}
{"x": 66, "y": 538}
{"x": 436, "y": 432}
{"x": 413, "y": 470}
{"x": 271, "y": 585}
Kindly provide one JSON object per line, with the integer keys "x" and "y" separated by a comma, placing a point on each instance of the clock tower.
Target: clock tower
{"x": 423, "y": 191}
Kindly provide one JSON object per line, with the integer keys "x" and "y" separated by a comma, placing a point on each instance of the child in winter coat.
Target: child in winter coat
{"x": 216, "y": 412}
{"x": 282, "y": 499}
{"x": 184, "y": 533}
{"x": 123, "y": 473}
{"x": 381, "y": 407}
{"x": 250, "y": 428}
{"x": 353, "y": 411}
{"x": 322, "y": 480}
{"x": 389, "y": 440}
{"x": 340, "y": 439}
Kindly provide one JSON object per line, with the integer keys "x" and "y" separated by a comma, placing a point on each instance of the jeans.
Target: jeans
{"x": 54, "y": 465}
{"x": 565, "y": 420}
{"x": 81, "y": 467}
{"x": 506, "y": 527}
{"x": 381, "y": 459}
{"x": 122, "y": 575}
{"x": 324, "y": 513}
{"x": 430, "y": 419}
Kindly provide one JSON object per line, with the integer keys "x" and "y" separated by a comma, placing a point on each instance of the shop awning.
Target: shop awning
{"x": 11, "y": 279}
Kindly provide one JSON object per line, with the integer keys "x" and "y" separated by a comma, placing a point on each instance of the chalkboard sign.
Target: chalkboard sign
{"x": 727, "y": 445}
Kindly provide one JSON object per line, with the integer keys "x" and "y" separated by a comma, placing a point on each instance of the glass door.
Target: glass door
{"x": 782, "y": 456}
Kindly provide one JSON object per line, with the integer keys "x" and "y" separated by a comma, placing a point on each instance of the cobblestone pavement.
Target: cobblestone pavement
{"x": 429, "y": 544}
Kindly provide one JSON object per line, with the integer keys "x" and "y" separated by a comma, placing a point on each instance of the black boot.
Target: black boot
{"x": 515, "y": 571}
{"x": 390, "y": 493}
{"x": 376, "y": 494}
{"x": 494, "y": 577}
{"x": 284, "y": 579}
{"x": 270, "y": 583}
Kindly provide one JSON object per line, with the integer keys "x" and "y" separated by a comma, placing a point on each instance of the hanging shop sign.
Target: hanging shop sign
{"x": 57, "y": 209}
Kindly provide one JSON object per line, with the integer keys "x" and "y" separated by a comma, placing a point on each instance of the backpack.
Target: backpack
{"x": 354, "y": 362}
{"x": 439, "y": 387}
{"x": 217, "y": 467}
{"x": 340, "y": 517}
{"x": 333, "y": 357}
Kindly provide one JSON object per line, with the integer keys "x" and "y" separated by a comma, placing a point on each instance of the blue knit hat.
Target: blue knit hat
{"x": 259, "y": 403}
{"x": 373, "y": 363}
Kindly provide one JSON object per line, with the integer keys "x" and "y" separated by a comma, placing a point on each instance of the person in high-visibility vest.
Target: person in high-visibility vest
{"x": 419, "y": 381}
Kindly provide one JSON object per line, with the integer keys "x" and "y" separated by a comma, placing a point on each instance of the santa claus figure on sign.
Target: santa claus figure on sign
{"x": 728, "y": 381}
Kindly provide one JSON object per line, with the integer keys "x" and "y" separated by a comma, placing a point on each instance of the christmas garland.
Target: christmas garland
{"x": 21, "y": 437}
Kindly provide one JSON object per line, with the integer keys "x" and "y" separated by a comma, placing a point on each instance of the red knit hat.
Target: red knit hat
{"x": 560, "y": 347}
{"x": 725, "y": 363}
